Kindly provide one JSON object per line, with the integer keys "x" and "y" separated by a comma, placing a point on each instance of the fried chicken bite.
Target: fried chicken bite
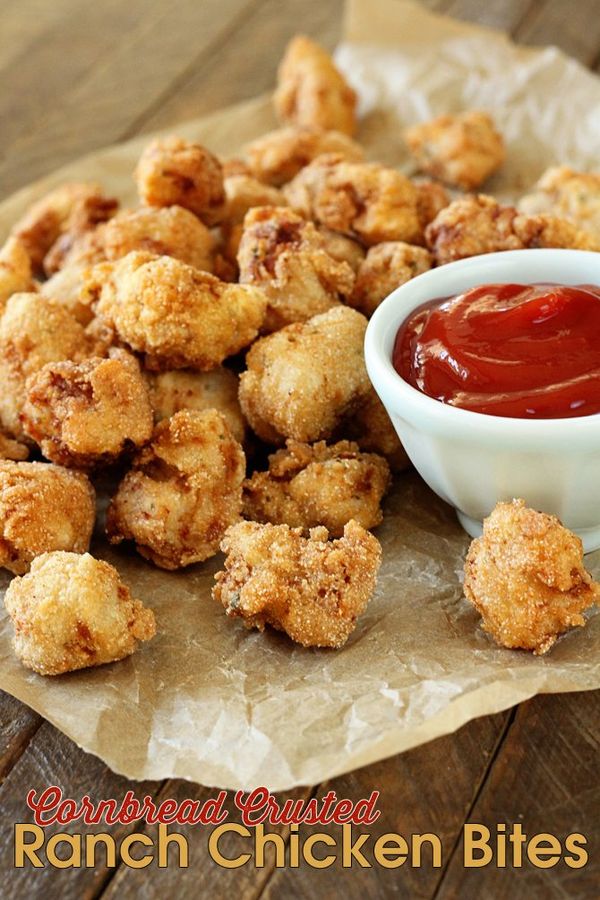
{"x": 60, "y": 216}
{"x": 301, "y": 381}
{"x": 462, "y": 150}
{"x": 568, "y": 194}
{"x": 175, "y": 172}
{"x": 165, "y": 231}
{"x": 342, "y": 248}
{"x": 526, "y": 578}
{"x": 243, "y": 192}
{"x": 42, "y": 508}
{"x": 311, "y": 90}
{"x": 309, "y": 485}
{"x": 365, "y": 201}
{"x": 479, "y": 224}
{"x": 432, "y": 198}
{"x": 88, "y": 414}
{"x": 385, "y": 268}
{"x": 184, "y": 389}
{"x": 178, "y": 316}
{"x": 11, "y": 449}
{"x": 66, "y": 288}
{"x": 33, "y": 331}
{"x": 371, "y": 428}
{"x": 73, "y": 611}
{"x": 311, "y": 588}
{"x": 183, "y": 491}
{"x": 284, "y": 255}
{"x": 278, "y": 156}
{"x": 15, "y": 270}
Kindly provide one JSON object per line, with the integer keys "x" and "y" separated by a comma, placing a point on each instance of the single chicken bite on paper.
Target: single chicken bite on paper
{"x": 89, "y": 413}
{"x": 385, "y": 268}
{"x": 311, "y": 588}
{"x": 366, "y": 201}
{"x": 183, "y": 491}
{"x": 172, "y": 171}
{"x": 73, "y": 611}
{"x": 43, "y": 507}
{"x": 301, "y": 381}
{"x": 178, "y": 316}
{"x": 526, "y": 577}
{"x": 564, "y": 192}
{"x": 311, "y": 90}
{"x": 308, "y": 485}
{"x": 15, "y": 270}
{"x": 185, "y": 389}
{"x": 462, "y": 150}
{"x": 276, "y": 157}
{"x": 285, "y": 256}
{"x": 34, "y": 330}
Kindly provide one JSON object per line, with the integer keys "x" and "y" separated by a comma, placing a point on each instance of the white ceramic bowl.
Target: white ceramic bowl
{"x": 474, "y": 460}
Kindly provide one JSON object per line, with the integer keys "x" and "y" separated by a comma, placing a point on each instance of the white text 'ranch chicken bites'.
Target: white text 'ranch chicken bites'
{"x": 526, "y": 577}
{"x": 564, "y": 192}
{"x": 310, "y": 485}
{"x": 183, "y": 491}
{"x": 42, "y": 508}
{"x": 184, "y": 389}
{"x": 311, "y": 588}
{"x": 311, "y": 90}
{"x": 385, "y": 268}
{"x": 285, "y": 256}
{"x": 89, "y": 413}
{"x": 73, "y": 611}
{"x": 172, "y": 171}
{"x": 366, "y": 201}
{"x": 462, "y": 150}
{"x": 34, "y": 330}
{"x": 276, "y": 157}
{"x": 302, "y": 381}
{"x": 178, "y": 316}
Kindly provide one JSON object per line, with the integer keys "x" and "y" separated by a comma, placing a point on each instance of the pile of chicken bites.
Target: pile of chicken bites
{"x": 222, "y": 319}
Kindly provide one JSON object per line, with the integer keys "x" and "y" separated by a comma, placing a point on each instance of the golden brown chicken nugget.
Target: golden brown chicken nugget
{"x": 311, "y": 90}
{"x": 371, "y": 428}
{"x": 278, "y": 156}
{"x": 183, "y": 491}
{"x": 15, "y": 270}
{"x": 311, "y": 588}
{"x": 89, "y": 413}
{"x": 385, "y": 268}
{"x": 175, "y": 172}
{"x": 309, "y": 485}
{"x": 302, "y": 381}
{"x": 568, "y": 194}
{"x": 285, "y": 256}
{"x": 11, "y": 449}
{"x": 73, "y": 611}
{"x": 42, "y": 508}
{"x": 526, "y": 577}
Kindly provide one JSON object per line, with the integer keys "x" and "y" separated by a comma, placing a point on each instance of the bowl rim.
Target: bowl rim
{"x": 409, "y": 403}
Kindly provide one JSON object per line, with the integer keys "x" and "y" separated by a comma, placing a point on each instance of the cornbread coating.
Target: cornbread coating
{"x": 42, "y": 508}
{"x": 462, "y": 150}
{"x": 179, "y": 316}
{"x": 301, "y": 381}
{"x": 185, "y": 389}
{"x": 183, "y": 491}
{"x": 385, "y": 268}
{"x": 526, "y": 578}
{"x": 311, "y": 90}
{"x": 309, "y": 485}
{"x": 73, "y": 611}
{"x": 34, "y": 330}
{"x": 175, "y": 172}
{"x": 89, "y": 413}
{"x": 285, "y": 256}
{"x": 15, "y": 270}
{"x": 276, "y": 157}
{"x": 366, "y": 201}
{"x": 479, "y": 224}
{"x": 568, "y": 194}
{"x": 311, "y": 588}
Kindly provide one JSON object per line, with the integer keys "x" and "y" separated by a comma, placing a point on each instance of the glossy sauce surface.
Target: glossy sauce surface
{"x": 528, "y": 351}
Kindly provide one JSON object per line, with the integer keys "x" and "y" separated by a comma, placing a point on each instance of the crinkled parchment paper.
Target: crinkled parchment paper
{"x": 209, "y": 701}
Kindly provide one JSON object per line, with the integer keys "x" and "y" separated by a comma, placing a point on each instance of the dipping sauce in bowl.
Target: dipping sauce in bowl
{"x": 524, "y": 351}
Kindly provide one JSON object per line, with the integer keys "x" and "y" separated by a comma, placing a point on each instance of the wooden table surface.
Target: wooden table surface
{"x": 76, "y": 76}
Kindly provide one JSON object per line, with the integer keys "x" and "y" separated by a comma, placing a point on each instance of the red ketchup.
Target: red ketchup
{"x": 528, "y": 351}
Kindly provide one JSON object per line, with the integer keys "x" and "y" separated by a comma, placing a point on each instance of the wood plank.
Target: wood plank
{"x": 574, "y": 27}
{"x": 547, "y": 778}
{"x": 250, "y": 56}
{"x": 18, "y": 724}
{"x": 52, "y": 759}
